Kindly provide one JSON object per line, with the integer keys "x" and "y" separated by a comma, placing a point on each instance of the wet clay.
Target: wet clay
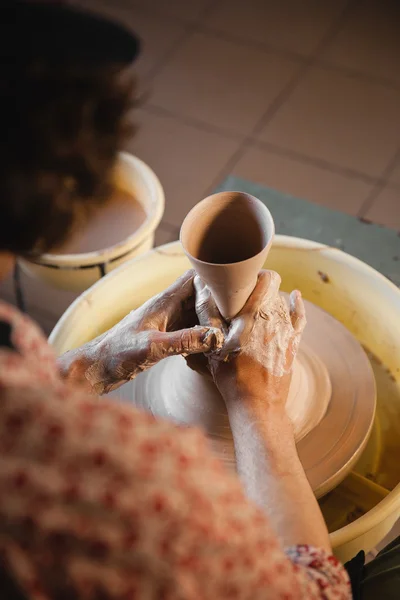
{"x": 231, "y": 233}
{"x": 227, "y": 237}
{"x": 112, "y": 223}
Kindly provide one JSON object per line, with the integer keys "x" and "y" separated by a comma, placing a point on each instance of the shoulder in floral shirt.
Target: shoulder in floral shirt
{"x": 101, "y": 501}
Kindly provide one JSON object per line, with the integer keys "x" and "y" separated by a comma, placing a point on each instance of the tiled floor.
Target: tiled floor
{"x": 303, "y": 97}
{"x": 300, "y": 96}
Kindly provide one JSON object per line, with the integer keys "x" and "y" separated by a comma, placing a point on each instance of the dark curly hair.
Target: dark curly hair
{"x": 61, "y": 129}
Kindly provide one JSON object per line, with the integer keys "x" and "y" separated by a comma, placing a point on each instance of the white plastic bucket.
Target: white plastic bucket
{"x": 362, "y": 299}
{"x": 77, "y": 272}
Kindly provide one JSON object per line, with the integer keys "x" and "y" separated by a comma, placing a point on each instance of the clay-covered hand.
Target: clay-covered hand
{"x": 165, "y": 325}
{"x": 255, "y": 361}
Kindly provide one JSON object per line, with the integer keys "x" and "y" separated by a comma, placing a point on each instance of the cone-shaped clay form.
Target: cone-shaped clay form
{"x": 227, "y": 237}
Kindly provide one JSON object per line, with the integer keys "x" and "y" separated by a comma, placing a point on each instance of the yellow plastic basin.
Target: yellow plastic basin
{"x": 363, "y": 508}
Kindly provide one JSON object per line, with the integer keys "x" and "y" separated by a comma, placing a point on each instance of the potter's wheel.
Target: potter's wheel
{"x": 331, "y": 400}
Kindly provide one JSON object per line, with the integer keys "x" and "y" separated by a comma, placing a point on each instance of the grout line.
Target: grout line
{"x": 335, "y": 27}
{"x": 192, "y": 121}
{"x": 262, "y": 46}
{"x": 126, "y": 7}
{"x": 285, "y": 94}
{"x": 370, "y": 199}
{"x": 269, "y": 147}
{"x": 393, "y": 163}
{"x": 317, "y": 162}
{"x": 191, "y": 28}
{"x": 207, "y": 10}
{"x": 245, "y": 141}
{"x": 162, "y": 14}
{"x": 266, "y": 46}
{"x": 393, "y": 185}
{"x": 358, "y": 75}
{"x": 282, "y": 97}
{"x": 170, "y": 53}
{"x": 279, "y": 100}
{"x": 322, "y": 63}
{"x": 227, "y": 169}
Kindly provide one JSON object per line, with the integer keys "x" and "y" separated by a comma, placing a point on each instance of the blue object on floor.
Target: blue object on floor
{"x": 374, "y": 244}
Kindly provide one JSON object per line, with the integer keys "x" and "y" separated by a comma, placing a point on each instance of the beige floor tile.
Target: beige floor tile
{"x": 165, "y": 235}
{"x": 6, "y": 290}
{"x": 44, "y": 304}
{"x": 45, "y": 322}
{"x": 342, "y": 120}
{"x": 386, "y": 209}
{"x": 288, "y": 24}
{"x": 188, "y": 10}
{"x": 157, "y": 35}
{"x": 39, "y": 295}
{"x": 186, "y": 159}
{"x": 221, "y": 83}
{"x": 303, "y": 180}
{"x": 394, "y": 176}
{"x": 369, "y": 41}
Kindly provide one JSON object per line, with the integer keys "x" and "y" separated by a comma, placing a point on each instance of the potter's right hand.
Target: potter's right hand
{"x": 252, "y": 371}
{"x": 255, "y": 362}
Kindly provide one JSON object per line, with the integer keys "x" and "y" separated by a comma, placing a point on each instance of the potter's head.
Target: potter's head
{"x": 227, "y": 237}
{"x": 63, "y": 120}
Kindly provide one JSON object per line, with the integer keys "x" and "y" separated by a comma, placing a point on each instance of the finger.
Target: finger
{"x": 180, "y": 286}
{"x": 237, "y": 336}
{"x": 206, "y": 308}
{"x": 297, "y": 312}
{"x": 178, "y": 291}
{"x": 241, "y": 326}
{"x": 179, "y": 294}
{"x": 266, "y": 290}
{"x": 168, "y": 304}
{"x": 186, "y": 341}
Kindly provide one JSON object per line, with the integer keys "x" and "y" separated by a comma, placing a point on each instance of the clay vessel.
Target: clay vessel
{"x": 227, "y": 237}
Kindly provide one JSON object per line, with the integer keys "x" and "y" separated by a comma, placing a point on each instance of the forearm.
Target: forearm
{"x": 273, "y": 476}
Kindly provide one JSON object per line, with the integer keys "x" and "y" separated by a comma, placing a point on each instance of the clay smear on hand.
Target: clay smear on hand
{"x": 265, "y": 329}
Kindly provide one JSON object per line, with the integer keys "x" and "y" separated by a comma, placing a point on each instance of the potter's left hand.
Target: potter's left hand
{"x": 164, "y": 326}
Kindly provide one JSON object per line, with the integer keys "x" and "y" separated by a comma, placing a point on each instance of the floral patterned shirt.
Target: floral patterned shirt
{"x": 101, "y": 501}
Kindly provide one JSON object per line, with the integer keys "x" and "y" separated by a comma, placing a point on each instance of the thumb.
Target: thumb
{"x": 194, "y": 340}
{"x": 206, "y": 309}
